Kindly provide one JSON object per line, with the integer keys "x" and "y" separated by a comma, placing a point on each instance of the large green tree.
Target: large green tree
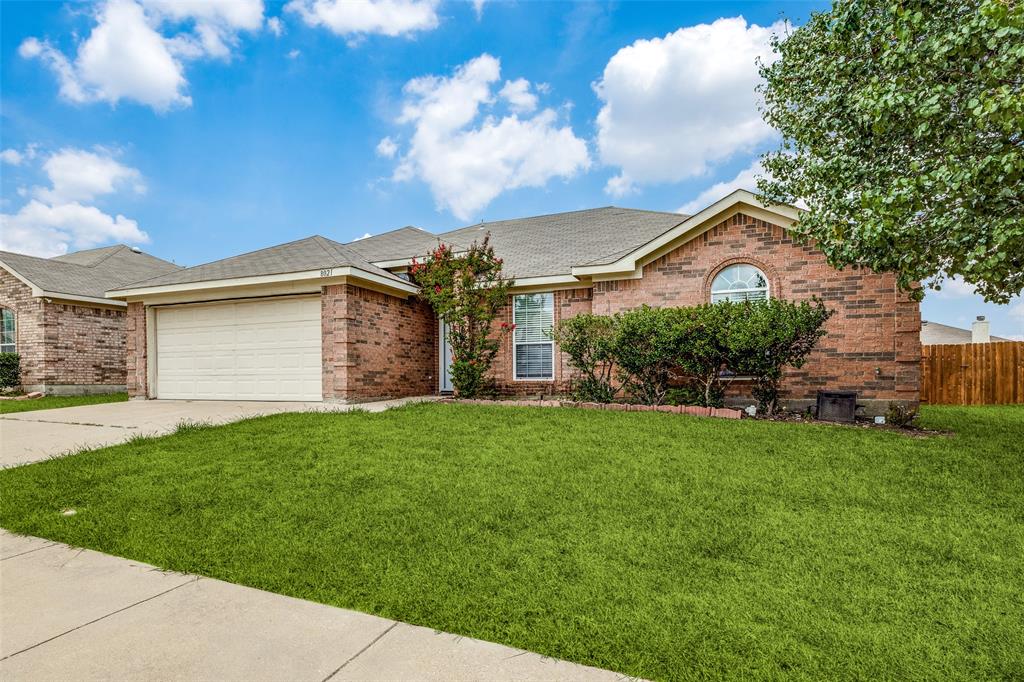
{"x": 903, "y": 131}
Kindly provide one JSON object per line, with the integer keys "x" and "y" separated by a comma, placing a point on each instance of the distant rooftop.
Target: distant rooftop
{"x": 90, "y": 273}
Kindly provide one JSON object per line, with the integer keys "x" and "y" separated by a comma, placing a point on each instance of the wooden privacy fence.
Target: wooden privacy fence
{"x": 973, "y": 373}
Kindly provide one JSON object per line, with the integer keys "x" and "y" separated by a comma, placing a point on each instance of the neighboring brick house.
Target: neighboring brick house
{"x": 70, "y": 337}
{"x": 319, "y": 320}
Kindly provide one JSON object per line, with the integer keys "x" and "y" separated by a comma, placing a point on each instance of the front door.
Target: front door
{"x": 446, "y": 359}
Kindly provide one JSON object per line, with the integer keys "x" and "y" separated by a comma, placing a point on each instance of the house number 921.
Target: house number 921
{"x": 327, "y": 273}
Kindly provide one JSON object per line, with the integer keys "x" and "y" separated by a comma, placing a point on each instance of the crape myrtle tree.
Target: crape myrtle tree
{"x": 902, "y": 127}
{"x": 467, "y": 290}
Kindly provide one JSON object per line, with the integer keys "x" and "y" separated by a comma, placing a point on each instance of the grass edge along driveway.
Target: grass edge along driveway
{"x": 50, "y": 402}
{"x": 656, "y": 545}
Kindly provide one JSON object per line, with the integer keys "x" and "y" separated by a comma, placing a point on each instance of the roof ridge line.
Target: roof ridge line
{"x": 119, "y": 248}
{"x": 396, "y": 229}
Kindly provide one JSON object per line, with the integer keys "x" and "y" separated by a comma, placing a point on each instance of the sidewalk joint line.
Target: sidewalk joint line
{"x": 361, "y": 651}
{"x": 96, "y": 620}
{"x": 29, "y": 551}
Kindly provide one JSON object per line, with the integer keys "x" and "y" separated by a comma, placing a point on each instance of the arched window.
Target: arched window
{"x": 7, "y": 334}
{"x": 739, "y": 282}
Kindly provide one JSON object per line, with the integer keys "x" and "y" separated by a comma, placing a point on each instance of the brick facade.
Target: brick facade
{"x": 137, "y": 353}
{"x": 28, "y": 318}
{"x": 65, "y": 347}
{"x": 873, "y": 340}
{"x": 376, "y": 346}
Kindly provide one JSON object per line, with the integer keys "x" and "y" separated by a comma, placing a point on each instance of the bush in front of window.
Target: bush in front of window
{"x": 589, "y": 341}
{"x": 646, "y": 351}
{"x": 770, "y": 335}
{"x": 467, "y": 291}
{"x": 690, "y": 355}
{"x": 10, "y": 370}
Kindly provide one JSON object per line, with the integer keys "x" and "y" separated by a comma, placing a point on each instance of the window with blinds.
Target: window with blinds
{"x": 7, "y": 331}
{"x": 533, "y": 350}
{"x": 740, "y": 282}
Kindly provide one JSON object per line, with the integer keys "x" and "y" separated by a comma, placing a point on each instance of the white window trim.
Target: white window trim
{"x": 515, "y": 369}
{"x": 14, "y": 331}
{"x": 767, "y": 283}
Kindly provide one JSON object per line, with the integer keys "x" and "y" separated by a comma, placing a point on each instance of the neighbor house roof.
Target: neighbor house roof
{"x": 548, "y": 245}
{"x": 84, "y": 274}
{"x": 933, "y": 333}
{"x": 401, "y": 244}
{"x": 311, "y": 253}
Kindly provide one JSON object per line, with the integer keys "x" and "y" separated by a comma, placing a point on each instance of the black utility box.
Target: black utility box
{"x": 837, "y": 406}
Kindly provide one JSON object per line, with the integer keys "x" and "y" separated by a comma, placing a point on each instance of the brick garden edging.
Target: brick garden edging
{"x": 720, "y": 412}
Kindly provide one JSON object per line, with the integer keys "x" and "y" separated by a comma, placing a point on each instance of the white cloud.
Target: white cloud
{"x": 78, "y": 175}
{"x": 128, "y": 56}
{"x": 362, "y": 17}
{"x": 745, "y": 179}
{"x": 518, "y": 95}
{"x": 478, "y": 7}
{"x": 275, "y": 26}
{"x": 12, "y": 156}
{"x": 217, "y": 23}
{"x": 466, "y": 158}
{"x": 387, "y": 148}
{"x": 365, "y": 235}
{"x": 55, "y": 220}
{"x": 41, "y": 230}
{"x": 673, "y": 106}
{"x": 954, "y": 288}
{"x": 293, "y": 54}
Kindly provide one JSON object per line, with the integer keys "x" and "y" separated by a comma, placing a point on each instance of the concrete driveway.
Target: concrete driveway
{"x": 75, "y": 614}
{"x": 31, "y": 436}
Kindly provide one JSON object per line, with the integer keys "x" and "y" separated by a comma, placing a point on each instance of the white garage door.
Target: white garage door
{"x": 250, "y": 350}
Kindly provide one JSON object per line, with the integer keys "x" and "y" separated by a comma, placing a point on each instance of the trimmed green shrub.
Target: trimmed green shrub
{"x": 690, "y": 355}
{"x": 767, "y": 336}
{"x": 589, "y": 341}
{"x": 646, "y": 351}
{"x": 10, "y": 370}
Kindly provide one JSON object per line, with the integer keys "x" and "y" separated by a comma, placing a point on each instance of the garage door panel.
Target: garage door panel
{"x": 255, "y": 350}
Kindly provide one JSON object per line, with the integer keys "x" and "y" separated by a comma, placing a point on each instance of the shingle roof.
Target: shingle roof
{"x": 311, "y": 253}
{"x": 934, "y": 333}
{"x": 87, "y": 273}
{"x": 405, "y": 242}
{"x": 530, "y": 247}
{"x": 552, "y": 244}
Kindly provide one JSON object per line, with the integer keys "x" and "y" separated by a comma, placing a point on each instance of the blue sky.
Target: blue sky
{"x": 204, "y": 128}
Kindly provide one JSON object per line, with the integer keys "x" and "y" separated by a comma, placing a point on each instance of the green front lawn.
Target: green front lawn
{"x": 50, "y": 402}
{"x": 656, "y": 545}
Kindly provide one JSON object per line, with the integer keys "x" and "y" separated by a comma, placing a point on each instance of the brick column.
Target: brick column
{"x": 907, "y": 349}
{"x": 136, "y": 351}
{"x": 334, "y": 318}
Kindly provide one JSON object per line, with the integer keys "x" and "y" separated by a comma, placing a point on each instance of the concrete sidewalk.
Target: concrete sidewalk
{"x": 31, "y": 436}
{"x": 70, "y": 613}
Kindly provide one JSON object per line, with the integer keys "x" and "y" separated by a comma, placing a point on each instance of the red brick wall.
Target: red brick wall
{"x": 64, "y": 344}
{"x": 136, "y": 353}
{"x": 376, "y": 345}
{"x": 17, "y": 296}
{"x": 84, "y": 345}
{"x": 873, "y": 341}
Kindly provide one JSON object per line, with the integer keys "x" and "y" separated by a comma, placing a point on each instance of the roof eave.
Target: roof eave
{"x": 326, "y": 275}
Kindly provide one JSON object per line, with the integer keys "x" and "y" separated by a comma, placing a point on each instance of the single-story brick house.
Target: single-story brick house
{"x": 55, "y": 315}
{"x": 319, "y": 320}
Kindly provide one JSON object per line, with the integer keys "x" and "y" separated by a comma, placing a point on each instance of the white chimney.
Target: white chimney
{"x": 979, "y": 330}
